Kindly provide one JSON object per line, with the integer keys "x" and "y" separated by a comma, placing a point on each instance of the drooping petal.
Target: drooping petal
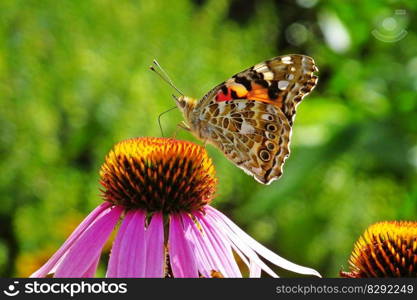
{"x": 57, "y": 257}
{"x": 155, "y": 256}
{"x": 181, "y": 252}
{"x": 128, "y": 256}
{"x": 113, "y": 264}
{"x": 241, "y": 255}
{"x": 254, "y": 270}
{"x": 87, "y": 247}
{"x": 204, "y": 260}
{"x": 239, "y": 244}
{"x": 253, "y": 244}
{"x": 220, "y": 248}
{"x": 91, "y": 271}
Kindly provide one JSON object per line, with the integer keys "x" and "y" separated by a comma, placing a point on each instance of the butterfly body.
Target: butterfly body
{"x": 249, "y": 116}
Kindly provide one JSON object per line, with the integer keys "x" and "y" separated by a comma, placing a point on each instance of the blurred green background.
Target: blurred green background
{"x": 74, "y": 80}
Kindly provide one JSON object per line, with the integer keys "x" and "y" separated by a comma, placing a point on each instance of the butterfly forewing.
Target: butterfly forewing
{"x": 282, "y": 81}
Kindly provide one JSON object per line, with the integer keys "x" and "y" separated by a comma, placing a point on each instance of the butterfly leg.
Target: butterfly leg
{"x": 181, "y": 125}
{"x": 184, "y": 126}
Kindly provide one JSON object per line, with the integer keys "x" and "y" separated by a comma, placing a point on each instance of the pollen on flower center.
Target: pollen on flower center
{"x": 386, "y": 249}
{"x": 158, "y": 174}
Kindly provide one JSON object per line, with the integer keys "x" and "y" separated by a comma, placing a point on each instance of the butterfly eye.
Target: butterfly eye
{"x": 264, "y": 155}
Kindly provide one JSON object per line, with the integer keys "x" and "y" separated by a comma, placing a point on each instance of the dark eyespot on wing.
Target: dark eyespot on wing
{"x": 264, "y": 155}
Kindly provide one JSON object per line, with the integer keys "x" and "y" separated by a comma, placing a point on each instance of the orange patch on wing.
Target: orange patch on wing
{"x": 239, "y": 90}
{"x": 260, "y": 93}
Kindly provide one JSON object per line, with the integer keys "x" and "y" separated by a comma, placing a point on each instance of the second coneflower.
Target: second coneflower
{"x": 386, "y": 249}
{"x": 160, "y": 190}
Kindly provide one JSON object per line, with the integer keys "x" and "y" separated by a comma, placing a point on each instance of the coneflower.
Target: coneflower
{"x": 386, "y": 249}
{"x": 159, "y": 190}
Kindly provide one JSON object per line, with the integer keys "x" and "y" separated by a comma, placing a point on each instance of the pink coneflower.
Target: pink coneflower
{"x": 159, "y": 190}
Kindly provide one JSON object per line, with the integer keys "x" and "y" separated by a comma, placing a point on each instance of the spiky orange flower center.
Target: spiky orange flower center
{"x": 386, "y": 249}
{"x": 158, "y": 174}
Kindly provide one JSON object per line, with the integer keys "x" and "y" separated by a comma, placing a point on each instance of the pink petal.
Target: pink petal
{"x": 113, "y": 264}
{"x": 155, "y": 256}
{"x": 254, "y": 270}
{"x": 181, "y": 254}
{"x": 240, "y": 244}
{"x": 52, "y": 262}
{"x": 128, "y": 255}
{"x": 253, "y": 244}
{"x": 204, "y": 260}
{"x": 220, "y": 248}
{"x": 241, "y": 255}
{"x": 91, "y": 271}
{"x": 88, "y": 246}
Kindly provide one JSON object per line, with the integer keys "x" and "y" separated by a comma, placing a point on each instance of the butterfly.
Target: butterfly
{"x": 249, "y": 116}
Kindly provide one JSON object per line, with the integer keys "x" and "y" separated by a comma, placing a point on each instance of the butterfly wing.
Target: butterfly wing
{"x": 282, "y": 81}
{"x": 252, "y": 134}
{"x": 249, "y": 116}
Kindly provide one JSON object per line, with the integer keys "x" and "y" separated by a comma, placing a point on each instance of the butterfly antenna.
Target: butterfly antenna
{"x": 159, "y": 119}
{"x": 164, "y": 75}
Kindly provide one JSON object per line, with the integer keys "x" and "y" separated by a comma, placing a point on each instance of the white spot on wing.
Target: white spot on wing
{"x": 257, "y": 171}
{"x": 270, "y": 109}
{"x": 283, "y": 84}
{"x": 305, "y": 63}
{"x": 246, "y": 128}
{"x": 268, "y": 75}
{"x": 261, "y": 68}
{"x": 286, "y": 60}
{"x": 241, "y": 105}
{"x": 221, "y": 106}
{"x": 267, "y": 117}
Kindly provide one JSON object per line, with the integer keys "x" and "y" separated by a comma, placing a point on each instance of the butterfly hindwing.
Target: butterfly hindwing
{"x": 252, "y": 134}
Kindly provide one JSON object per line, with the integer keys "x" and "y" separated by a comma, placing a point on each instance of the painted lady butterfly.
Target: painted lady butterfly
{"x": 249, "y": 116}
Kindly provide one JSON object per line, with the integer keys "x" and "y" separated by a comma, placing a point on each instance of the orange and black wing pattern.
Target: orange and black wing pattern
{"x": 282, "y": 81}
